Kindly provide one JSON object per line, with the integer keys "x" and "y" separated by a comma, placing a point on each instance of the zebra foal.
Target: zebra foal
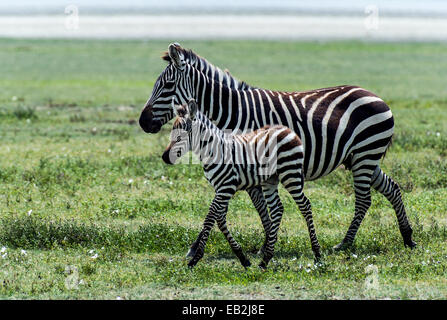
{"x": 264, "y": 157}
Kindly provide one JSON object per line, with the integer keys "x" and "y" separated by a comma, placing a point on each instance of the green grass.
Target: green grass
{"x": 110, "y": 219}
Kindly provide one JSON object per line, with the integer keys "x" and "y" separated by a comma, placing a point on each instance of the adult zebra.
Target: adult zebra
{"x": 340, "y": 125}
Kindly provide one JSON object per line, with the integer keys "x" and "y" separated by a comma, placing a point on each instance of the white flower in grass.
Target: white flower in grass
{"x": 354, "y": 256}
{"x": 130, "y": 181}
{"x": 119, "y": 298}
{"x": 3, "y": 252}
{"x": 29, "y": 212}
{"x": 23, "y": 252}
{"x": 95, "y": 256}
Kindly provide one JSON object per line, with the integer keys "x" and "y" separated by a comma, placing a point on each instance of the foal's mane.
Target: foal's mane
{"x": 204, "y": 65}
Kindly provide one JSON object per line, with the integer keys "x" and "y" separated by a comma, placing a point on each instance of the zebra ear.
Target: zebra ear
{"x": 192, "y": 108}
{"x": 180, "y": 111}
{"x": 174, "y": 54}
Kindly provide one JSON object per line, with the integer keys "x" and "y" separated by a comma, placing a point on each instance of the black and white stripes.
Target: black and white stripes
{"x": 263, "y": 157}
{"x": 340, "y": 125}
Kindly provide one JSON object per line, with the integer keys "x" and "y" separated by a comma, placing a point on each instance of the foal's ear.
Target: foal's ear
{"x": 175, "y": 55}
{"x": 192, "y": 108}
{"x": 180, "y": 111}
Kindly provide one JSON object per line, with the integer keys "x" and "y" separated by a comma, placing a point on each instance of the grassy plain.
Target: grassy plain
{"x": 88, "y": 210}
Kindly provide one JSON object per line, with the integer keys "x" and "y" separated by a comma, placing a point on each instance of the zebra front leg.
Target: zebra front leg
{"x": 276, "y": 212}
{"x": 257, "y": 197}
{"x": 295, "y": 187}
{"x": 200, "y": 249}
{"x": 306, "y": 210}
{"x": 222, "y": 223}
{"x": 362, "y": 188}
{"x": 218, "y": 206}
{"x": 258, "y": 200}
{"x": 193, "y": 249}
{"x": 390, "y": 189}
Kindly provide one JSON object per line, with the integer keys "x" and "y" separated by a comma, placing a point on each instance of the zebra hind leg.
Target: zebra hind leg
{"x": 390, "y": 189}
{"x": 362, "y": 187}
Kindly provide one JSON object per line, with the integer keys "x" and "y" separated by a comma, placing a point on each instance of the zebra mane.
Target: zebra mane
{"x": 213, "y": 72}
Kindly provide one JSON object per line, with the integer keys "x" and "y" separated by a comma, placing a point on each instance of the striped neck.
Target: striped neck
{"x": 216, "y": 101}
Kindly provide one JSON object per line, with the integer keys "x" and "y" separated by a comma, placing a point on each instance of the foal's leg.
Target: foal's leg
{"x": 276, "y": 212}
{"x": 258, "y": 200}
{"x": 222, "y": 223}
{"x": 257, "y": 197}
{"x": 218, "y": 208}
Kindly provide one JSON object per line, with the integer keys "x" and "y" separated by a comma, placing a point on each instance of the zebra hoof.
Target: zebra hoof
{"x": 410, "y": 244}
{"x": 342, "y": 246}
{"x": 262, "y": 266}
{"x": 246, "y": 263}
{"x": 192, "y": 263}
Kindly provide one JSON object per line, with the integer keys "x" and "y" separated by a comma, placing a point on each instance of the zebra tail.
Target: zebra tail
{"x": 388, "y": 147}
